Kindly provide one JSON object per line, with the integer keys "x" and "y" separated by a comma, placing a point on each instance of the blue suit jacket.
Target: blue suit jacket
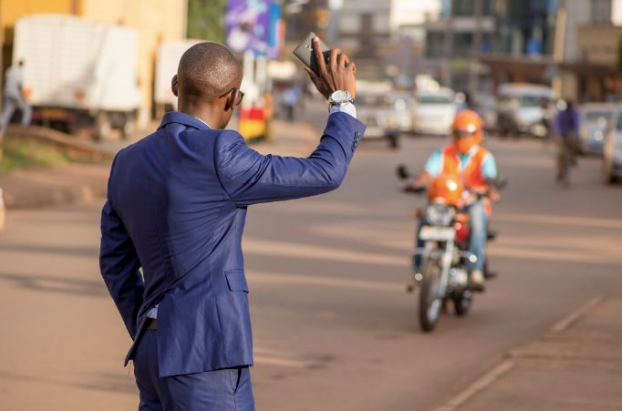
{"x": 176, "y": 208}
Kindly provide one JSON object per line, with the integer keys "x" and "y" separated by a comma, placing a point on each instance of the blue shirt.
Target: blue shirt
{"x": 434, "y": 164}
{"x": 567, "y": 122}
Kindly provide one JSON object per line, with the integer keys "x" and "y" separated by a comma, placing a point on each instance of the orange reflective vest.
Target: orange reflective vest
{"x": 471, "y": 173}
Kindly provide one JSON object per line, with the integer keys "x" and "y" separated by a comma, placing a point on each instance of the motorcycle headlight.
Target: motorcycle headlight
{"x": 440, "y": 215}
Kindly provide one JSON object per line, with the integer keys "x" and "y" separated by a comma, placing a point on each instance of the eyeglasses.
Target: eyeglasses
{"x": 239, "y": 95}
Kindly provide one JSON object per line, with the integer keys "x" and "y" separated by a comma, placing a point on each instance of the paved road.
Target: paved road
{"x": 334, "y": 329}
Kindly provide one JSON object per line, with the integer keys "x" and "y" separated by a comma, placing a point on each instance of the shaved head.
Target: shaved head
{"x": 207, "y": 71}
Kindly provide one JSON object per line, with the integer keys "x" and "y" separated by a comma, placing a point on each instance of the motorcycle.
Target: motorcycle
{"x": 443, "y": 276}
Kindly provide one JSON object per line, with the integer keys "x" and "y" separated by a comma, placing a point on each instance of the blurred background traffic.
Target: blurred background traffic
{"x": 333, "y": 327}
{"x": 103, "y": 69}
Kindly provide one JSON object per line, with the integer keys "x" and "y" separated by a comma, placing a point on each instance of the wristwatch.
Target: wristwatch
{"x": 339, "y": 97}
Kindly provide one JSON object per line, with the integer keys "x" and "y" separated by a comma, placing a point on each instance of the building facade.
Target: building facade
{"x": 455, "y": 42}
{"x": 589, "y": 72}
{"x": 364, "y": 31}
{"x": 545, "y": 41}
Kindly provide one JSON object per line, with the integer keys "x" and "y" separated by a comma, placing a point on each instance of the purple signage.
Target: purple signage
{"x": 248, "y": 25}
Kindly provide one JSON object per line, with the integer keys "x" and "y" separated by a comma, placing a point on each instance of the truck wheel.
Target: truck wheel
{"x": 128, "y": 127}
{"x": 103, "y": 126}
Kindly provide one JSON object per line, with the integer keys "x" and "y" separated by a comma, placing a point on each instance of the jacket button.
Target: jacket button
{"x": 357, "y": 134}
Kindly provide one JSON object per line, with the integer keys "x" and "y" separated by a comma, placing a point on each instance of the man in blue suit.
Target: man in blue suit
{"x": 176, "y": 208}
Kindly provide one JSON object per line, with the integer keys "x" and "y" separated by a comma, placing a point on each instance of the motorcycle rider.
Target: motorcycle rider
{"x": 477, "y": 168}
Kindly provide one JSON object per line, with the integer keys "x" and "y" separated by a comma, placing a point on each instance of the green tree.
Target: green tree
{"x": 206, "y": 20}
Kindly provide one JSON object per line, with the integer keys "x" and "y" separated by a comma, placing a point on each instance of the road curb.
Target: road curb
{"x": 479, "y": 385}
{"x": 508, "y": 364}
{"x": 37, "y": 188}
{"x": 50, "y": 198}
{"x": 571, "y": 318}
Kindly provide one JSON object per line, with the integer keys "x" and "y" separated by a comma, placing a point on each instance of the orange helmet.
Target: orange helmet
{"x": 446, "y": 189}
{"x": 467, "y": 130}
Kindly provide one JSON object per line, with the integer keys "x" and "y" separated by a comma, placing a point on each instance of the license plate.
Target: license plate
{"x": 437, "y": 233}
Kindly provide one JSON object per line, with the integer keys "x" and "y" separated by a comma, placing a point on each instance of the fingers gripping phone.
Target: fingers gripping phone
{"x": 304, "y": 51}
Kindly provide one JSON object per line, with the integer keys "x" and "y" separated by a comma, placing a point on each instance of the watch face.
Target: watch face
{"x": 339, "y": 96}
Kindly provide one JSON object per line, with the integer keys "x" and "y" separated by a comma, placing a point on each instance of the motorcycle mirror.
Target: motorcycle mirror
{"x": 402, "y": 172}
{"x": 501, "y": 182}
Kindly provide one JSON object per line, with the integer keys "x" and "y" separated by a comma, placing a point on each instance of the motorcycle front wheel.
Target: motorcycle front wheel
{"x": 463, "y": 302}
{"x": 430, "y": 302}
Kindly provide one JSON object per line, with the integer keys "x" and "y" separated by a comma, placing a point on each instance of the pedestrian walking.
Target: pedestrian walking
{"x": 567, "y": 132}
{"x": 289, "y": 101}
{"x": 176, "y": 207}
{"x": 14, "y": 97}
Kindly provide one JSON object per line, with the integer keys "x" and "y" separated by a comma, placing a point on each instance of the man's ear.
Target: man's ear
{"x": 175, "y": 85}
{"x": 230, "y": 103}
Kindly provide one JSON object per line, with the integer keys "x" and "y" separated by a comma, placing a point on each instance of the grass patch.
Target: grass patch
{"x": 21, "y": 155}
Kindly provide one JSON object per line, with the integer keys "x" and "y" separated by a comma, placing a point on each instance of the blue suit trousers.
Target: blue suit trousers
{"x": 219, "y": 390}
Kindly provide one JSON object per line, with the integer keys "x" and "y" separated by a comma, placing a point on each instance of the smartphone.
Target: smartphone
{"x": 304, "y": 51}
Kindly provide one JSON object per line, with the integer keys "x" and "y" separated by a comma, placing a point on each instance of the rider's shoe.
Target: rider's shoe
{"x": 476, "y": 281}
{"x": 489, "y": 275}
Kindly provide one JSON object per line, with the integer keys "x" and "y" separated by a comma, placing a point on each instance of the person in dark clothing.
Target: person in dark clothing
{"x": 567, "y": 131}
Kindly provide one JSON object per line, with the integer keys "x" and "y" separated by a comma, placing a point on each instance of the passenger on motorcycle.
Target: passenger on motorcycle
{"x": 477, "y": 168}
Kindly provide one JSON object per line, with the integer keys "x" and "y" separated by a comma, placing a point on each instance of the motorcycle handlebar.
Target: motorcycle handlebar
{"x": 414, "y": 190}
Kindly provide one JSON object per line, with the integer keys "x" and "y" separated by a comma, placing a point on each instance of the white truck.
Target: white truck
{"x": 167, "y": 61}
{"x": 79, "y": 75}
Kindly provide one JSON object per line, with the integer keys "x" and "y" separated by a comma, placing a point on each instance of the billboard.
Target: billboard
{"x": 248, "y": 26}
{"x": 276, "y": 32}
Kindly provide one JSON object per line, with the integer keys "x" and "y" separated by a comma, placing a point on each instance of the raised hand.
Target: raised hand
{"x": 339, "y": 75}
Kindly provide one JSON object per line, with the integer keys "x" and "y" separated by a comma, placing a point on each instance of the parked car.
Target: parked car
{"x": 379, "y": 108}
{"x": 523, "y": 108}
{"x": 487, "y": 108}
{"x": 612, "y": 152}
{"x": 434, "y": 111}
{"x": 402, "y": 111}
{"x": 595, "y": 121}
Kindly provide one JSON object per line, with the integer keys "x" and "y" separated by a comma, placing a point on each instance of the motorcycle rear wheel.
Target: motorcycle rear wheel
{"x": 430, "y": 302}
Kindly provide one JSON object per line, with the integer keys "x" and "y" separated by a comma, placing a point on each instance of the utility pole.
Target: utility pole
{"x": 559, "y": 47}
{"x": 449, "y": 45}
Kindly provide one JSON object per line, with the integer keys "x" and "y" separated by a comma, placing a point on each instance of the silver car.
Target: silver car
{"x": 595, "y": 121}
{"x": 612, "y": 153}
{"x": 383, "y": 114}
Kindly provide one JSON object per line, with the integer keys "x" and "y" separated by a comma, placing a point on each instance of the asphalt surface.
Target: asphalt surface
{"x": 333, "y": 326}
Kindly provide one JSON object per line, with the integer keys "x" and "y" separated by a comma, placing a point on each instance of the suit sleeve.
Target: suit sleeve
{"x": 119, "y": 266}
{"x": 249, "y": 177}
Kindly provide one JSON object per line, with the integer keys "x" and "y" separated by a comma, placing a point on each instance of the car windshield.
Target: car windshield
{"x": 595, "y": 116}
{"x": 434, "y": 99}
{"x": 527, "y": 101}
{"x": 531, "y": 101}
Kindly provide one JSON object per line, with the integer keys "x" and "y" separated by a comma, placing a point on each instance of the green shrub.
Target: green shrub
{"x": 19, "y": 155}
